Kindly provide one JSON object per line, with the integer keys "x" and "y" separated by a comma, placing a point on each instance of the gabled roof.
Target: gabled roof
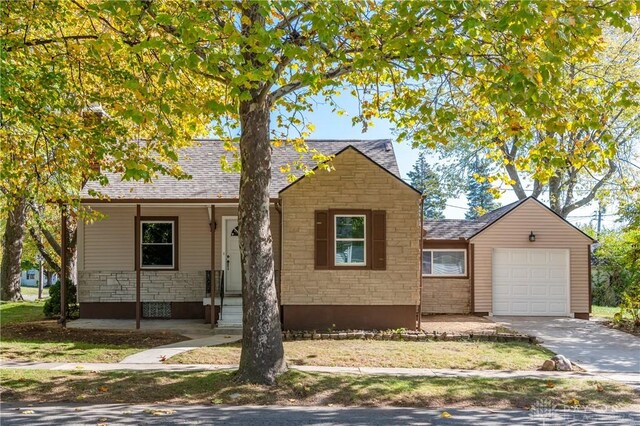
{"x": 209, "y": 182}
{"x": 351, "y": 147}
{"x": 456, "y": 229}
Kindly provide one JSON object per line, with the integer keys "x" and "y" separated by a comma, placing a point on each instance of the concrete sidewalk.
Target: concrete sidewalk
{"x": 631, "y": 379}
{"x": 157, "y": 354}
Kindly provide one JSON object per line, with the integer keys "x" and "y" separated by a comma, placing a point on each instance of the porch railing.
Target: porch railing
{"x": 214, "y": 285}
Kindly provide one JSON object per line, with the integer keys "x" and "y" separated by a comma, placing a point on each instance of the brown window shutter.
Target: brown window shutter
{"x": 379, "y": 240}
{"x": 321, "y": 239}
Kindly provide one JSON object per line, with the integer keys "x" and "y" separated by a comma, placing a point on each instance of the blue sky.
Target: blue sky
{"x": 331, "y": 126}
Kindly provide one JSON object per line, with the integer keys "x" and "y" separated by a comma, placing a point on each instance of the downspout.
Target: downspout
{"x": 137, "y": 260}
{"x": 421, "y": 246}
{"x": 278, "y": 207}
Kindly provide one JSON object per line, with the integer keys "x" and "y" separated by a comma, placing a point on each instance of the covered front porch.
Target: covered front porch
{"x": 147, "y": 263}
{"x": 191, "y": 328}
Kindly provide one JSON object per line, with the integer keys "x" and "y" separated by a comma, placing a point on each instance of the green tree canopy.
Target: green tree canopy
{"x": 425, "y": 179}
{"x": 241, "y": 65}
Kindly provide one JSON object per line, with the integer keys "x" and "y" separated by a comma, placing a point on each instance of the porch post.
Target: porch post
{"x": 213, "y": 256}
{"x": 137, "y": 260}
{"x": 63, "y": 265}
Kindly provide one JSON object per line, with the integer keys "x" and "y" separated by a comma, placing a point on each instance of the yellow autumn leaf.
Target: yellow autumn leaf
{"x": 550, "y": 384}
{"x": 245, "y": 20}
{"x": 445, "y": 415}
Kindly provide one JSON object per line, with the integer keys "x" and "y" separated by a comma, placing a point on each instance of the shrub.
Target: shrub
{"x": 629, "y": 307}
{"x": 52, "y": 305}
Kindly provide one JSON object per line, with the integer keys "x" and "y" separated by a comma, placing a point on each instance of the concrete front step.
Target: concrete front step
{"x": 232, "y": 301}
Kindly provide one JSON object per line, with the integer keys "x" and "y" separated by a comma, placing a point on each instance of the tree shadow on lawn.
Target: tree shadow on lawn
{"x": 19, "y": 312}
{"x": 300, "y": 388}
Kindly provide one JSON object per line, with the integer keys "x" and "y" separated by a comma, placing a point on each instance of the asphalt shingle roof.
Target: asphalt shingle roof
{"x": 455, "y": 229}
{"x": 208, "y": 180}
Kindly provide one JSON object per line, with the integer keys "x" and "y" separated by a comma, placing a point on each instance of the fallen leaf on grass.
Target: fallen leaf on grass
{"x": 103, "y": 389}
{"x": 550, "y": 384}
{"x": 573, "y": 402}
{"x": 599, "y": 387}
{"x": 445, "y": 415}
{"x": 159, "y": 412}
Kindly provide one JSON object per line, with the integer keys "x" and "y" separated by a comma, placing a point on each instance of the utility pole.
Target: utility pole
{"x": 601, "y": 210}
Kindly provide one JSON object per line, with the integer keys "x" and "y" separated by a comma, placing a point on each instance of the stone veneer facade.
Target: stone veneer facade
{"x": 446, "y": 295}
{"x": 155, "y": 286}
{"x": 350, "y": 298}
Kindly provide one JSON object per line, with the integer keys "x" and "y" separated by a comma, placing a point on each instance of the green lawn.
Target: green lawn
{"x": 18, "y": 312}
{"x": 604, "y": 311}
{"x": 33, "y": 291}
{"x": 27, "y": 336}
{"x": 299, "y": 388}
{"x": 472, "y": 355}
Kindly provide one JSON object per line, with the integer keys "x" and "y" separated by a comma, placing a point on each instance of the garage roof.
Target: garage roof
{"x": 460, "y": 229}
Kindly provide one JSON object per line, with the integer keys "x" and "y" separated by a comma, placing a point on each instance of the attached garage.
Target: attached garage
{"x": 532, "y": 282}
{"x": 521, "y": 259}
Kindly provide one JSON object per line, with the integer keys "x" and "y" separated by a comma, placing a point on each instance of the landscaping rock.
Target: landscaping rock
{"x": 548, "y": 365}
{"x": 562, "y": 363}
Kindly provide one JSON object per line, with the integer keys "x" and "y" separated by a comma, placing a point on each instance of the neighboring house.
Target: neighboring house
{"x": 521, "y": 259}
{"x": 346, "y": 242}
{"x": 31, "y": 278}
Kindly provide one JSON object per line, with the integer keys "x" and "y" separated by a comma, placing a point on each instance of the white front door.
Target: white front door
{"x": 231, "y": 257}
{"x": 531, "y": 282}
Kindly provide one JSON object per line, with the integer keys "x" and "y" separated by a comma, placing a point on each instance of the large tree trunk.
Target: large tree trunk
{"x": 12, "y": 252}
{"x": 262, "y": 358}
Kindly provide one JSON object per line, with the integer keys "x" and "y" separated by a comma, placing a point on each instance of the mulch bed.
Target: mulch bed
{"x": 626, "y": 326}
{"x": 51, "y": 331}
{"x": 406, "y": 336}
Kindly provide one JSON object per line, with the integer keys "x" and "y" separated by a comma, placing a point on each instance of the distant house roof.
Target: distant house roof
{"x": 458, "y": 229}
{"x": 209, "y": 182}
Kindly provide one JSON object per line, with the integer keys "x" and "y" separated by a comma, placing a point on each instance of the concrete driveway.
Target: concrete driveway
{"x": 587, "y": 343}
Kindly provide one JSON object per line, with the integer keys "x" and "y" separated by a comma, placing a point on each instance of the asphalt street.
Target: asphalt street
{"x": 124, "y": 414}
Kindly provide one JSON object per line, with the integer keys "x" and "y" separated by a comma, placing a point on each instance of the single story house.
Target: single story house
{"x": 520, "y": 259}
{"x": 351, "y": 248}
{"x": 347, "y": 242}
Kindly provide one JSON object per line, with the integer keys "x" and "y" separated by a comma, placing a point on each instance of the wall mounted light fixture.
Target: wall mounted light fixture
{"x": 532, "y": 237}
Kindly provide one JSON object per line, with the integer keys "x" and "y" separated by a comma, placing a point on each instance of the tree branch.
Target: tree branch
{"x": 295, "y": 85}
{"x": 43, "y": 251}
{"x": 41, "y": 42}
{"x": 592, "y": 193}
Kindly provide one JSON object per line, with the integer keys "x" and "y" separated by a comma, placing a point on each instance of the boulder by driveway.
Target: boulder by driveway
{"x": 589, "y": 344}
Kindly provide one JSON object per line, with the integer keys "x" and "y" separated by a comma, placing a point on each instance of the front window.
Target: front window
{"x": 157, "y": 244}
{"x": 350, "y": 238}
{"x": 450, "y": 263}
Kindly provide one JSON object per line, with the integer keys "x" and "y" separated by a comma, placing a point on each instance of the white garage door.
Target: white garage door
{"x": 531, "y": 282}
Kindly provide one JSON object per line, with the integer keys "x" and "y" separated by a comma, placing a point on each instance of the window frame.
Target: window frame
{"x": 363, "y": 239}
{"x": 432, "y": 275}
{"x": 174, "y": 233}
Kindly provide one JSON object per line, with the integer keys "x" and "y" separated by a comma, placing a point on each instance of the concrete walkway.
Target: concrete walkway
{"x": 632, "y": 379}
{"x": 158, "y": 354}
{"x": 589, "y": 344}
